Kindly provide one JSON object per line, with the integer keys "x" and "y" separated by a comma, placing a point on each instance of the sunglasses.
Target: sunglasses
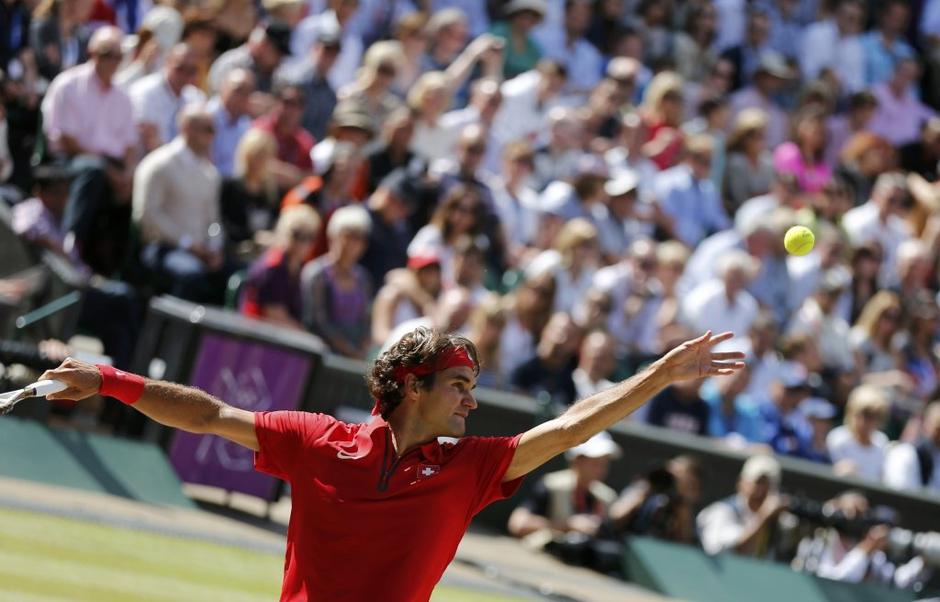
{"x": 303, "y": 235}
{"x": 387, "y": 70}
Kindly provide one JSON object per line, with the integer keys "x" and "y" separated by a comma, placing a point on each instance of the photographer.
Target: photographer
{"x": 570, "y": 501}
{"x": 662, "y": 503}
{"x": 745, "y": 522}
{"x": 849, "y": 544}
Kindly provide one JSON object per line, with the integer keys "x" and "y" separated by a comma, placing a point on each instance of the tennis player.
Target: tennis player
{"x": 379, "y": 508}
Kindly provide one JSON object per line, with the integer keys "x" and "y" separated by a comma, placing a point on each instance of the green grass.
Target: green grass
{"x": 47, "y": 558}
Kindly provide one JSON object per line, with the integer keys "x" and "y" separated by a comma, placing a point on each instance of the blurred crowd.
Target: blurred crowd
{"x": 575, "y": 184}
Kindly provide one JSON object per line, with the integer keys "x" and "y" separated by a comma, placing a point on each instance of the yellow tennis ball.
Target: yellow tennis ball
{"x": 799, "y": 240}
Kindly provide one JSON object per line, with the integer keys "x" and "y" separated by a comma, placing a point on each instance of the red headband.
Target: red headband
{"x": 449, "y": 358}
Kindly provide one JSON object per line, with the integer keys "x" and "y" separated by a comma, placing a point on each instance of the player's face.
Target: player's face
{"x": 449, "y": 402}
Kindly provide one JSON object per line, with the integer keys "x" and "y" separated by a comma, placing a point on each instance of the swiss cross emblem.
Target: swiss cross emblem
{"x": 427, "y": 470}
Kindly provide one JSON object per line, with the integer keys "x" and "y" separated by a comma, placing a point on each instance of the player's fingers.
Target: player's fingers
{"x": 728, "y": 355}
{"x": 719, "y": 338}
{"x": 702, "y": 339}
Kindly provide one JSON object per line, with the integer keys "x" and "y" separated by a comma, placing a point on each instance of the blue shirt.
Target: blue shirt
{"x": 881, "y": 60}
{"x": 744, "y": 418}
{"x": 228, "y": 133}
{"x": 693, "y": 204}
{"x": 785, "y": 434}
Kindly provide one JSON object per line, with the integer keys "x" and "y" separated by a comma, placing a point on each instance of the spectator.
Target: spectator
{"x": 333, "y": 23}
{"x": 818, "y": 317}
{"x": 885, "y": 46}
{"x": 873, "y": 336}
{"x": 723, "y": 303}
{"x": 319, "y": 93}
{"x": 900, "y": 115}
{"x": 429, "y": 98}
{"x": 680, "y": 407}
{"x": 89, "y": 120}
{"x": 460, "y": 213}
{"x": 771, "y": 76}
{"x": 372, "y": 88}
{"x": 248, "y": 200}
{"x": 574, "y": 500}
{"x": 858, "y": 447}
{"x": 881, "y": 220}
{"x": 694, "y": 55}
{"x": 294, "y": 143}
{"x": 782, "y": 426}
{"x": 746, "y": 57}
{"x": 390, "y": 207}
{"x": 833, "y": 48}
{"x": 392, "y": 150}
{"x": 176, "y": 207}
{"x": 860, "y": 108}
{"x": 335, "y": 288}
{"x": 627, "y": 155}
{"x": 515, "y": 201}
{"x": 406, "y": 296}
{"x": 921, "y": 156}
{"x": 529, "y": 308}
{"x": 596, "y": 363}
{"x": 804, "y": 155}
{"x": 161, "y": 29}
{"x": 521, "y": 52}
{"x": 818, "y": 414}
{"x": 486, "y": 328}
{"x": 57, "y": 35}
{"x": 691, "y": 207}
{"x": 786, "y": 27}
{"x": 411, "y": 33}
{"x": 527, "y": 99}
{"x": 159, "y": 97}
{"x": 913, "y": 467}
{"x": 864, "y": 157}
{"x": 485, "y": 100}
{"x": 548, "y": 375}
{"x": 750, "y": 167}
{"x": 918, "y": 359}
{"x": 662, "y": 112}
{"x": 231, "y": 110}
{"x": 266, "y": 47}
{"x": 558, "y": 158}
{"x": 671, "y": 259}
{"x": 272, "y": 290}
{"x": 200, "y": 34}
{"x": 744, "y": 522}
{"x": 732, "y": 415}
{"x": 712, "y": 121}
{"x": 572, "y": 262}
{"x": 625, "y": 218}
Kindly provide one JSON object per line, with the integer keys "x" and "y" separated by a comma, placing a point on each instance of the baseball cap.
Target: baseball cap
{"x": 835, "y": 279}
{"x": 760, "y": 466}
{"x": 517, "y": 6}
{"x": 775, "y": 64}
{"x": 817, "y": 407}
{"x": 423, "y": 260}
{"x": 624, "y": 182}
{"x": 279, "y": 34}
{"x": 794, "y": 375}
{"x": 600, "y": 445}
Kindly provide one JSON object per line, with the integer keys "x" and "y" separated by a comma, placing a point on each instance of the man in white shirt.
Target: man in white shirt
{"x": 527, "y": 98}
{"x": 915, "y": 467}
{"x": 335, "y": 19}
{"x": 723, "y": 303}
{"x": 819, "y": 318}
{"x": 744, "y": 522}
{"x": 158, "y": 97}
{"x": 583, "y": 61}
{"x": 834, "y": 45}
{"x": 880, "y": 220}
{"x": 176, "y": 207}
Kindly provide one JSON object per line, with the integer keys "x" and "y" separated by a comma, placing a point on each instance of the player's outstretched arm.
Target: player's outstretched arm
{"x": 690, "y": 360}
{"x": 173, "y": 405}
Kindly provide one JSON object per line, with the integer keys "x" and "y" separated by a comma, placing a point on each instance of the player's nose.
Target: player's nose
{"x": 470, "y": 401}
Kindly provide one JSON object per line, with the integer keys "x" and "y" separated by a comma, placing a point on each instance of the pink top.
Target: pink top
{"x": 78, "y": 105}
{"x": 812, "y": 178}
{"x": 898, "y": 120}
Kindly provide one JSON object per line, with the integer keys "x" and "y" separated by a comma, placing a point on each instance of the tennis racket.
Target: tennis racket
{"x": 38, "y": 389}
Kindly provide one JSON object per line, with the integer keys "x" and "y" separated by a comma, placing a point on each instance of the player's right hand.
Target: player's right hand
{"x": 82, "y": 379}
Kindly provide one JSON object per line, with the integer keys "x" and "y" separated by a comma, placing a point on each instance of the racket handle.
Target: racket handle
{"x": 47, "y": 387}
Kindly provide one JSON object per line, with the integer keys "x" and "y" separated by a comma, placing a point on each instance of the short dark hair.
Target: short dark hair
{"x": 418, "y": 347}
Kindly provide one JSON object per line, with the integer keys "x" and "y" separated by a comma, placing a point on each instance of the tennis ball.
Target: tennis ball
{"x": 799, "y": 240}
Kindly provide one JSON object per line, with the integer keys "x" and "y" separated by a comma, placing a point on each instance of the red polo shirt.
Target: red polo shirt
{"x": 369, "y": 526}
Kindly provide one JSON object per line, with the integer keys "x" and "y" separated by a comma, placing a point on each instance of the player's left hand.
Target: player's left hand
{"x": 696, "y": 359}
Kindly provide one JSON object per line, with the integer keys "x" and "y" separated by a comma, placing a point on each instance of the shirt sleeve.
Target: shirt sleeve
{"x": 902, "y": 468}
{"x": 491, "y": 458}
{"x": 718, "y": 527}
{"x": 282, "y": 438}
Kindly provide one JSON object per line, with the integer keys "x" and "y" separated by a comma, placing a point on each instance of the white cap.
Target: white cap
{"x": 599, "y": 446}
{"x": 762, "y": 466}
{"x": 625, "y": 181}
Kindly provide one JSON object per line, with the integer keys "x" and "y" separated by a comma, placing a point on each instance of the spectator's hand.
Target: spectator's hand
{"x": 773, "y": 505}
{"x": 486, "y": 43}
{"x": 583, "y": 523}
{"x": 875, "y": 539}
{"x": 696, "y": 359}
{"x": 81, "y": 378}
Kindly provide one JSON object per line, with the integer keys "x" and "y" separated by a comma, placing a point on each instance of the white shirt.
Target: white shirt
{"x": 568, "y": 290}
{"x": 587, "y": 387}
{"x": 830, "y": 332}
{"x": 862, "y": 225}
{"x": 720, "y": 526}
{"x": 707, "y": 307}
{"x": 824, "y": 47}
{"x": 869, "y": 459}
{"x": 902, "y": 469}
{"x": 582, "y": 60}
{"x": 432, "y": 142}
{"x": 155, "y": 102}
{"x": 305, "y": 36}
{"x": 516, "y": 346}
{"x": 642, "y": 332}
{"x": 519, "y": 116}
{"x": 516, "y": 212}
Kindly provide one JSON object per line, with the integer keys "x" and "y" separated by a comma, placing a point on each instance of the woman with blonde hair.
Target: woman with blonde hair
{"x": 372, "y": 89}
{"x": 572, "y": 261}
{"x": 248, "y": 200}
{"x": 858, "y": 447}
{"x": 662, "y": 112}
{"x": 411, "y": 33}
{"x": 486, "y": 328}
{"x": 750, "y": 170}
{"x": 873, "y": 335}
{"x": 272, "y": 288}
